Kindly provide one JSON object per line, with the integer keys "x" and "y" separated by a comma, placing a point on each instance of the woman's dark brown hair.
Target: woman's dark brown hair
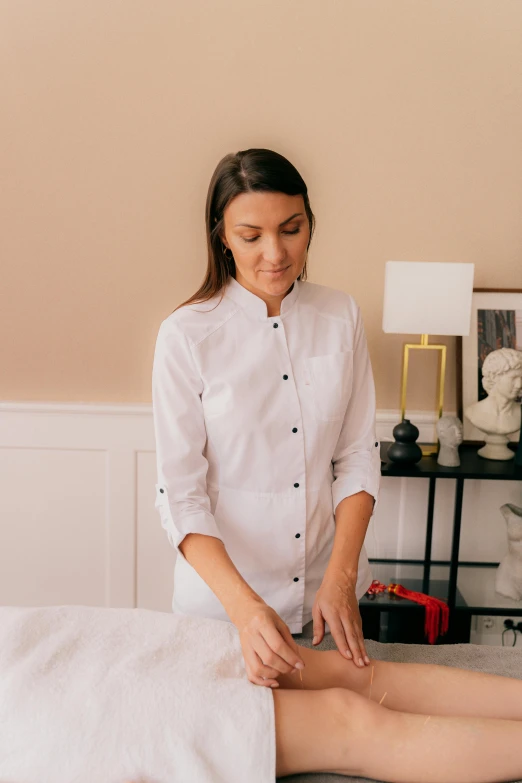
{"x": 243, "y": 172}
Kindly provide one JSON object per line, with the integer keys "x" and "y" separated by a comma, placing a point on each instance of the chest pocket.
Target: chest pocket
{"x": 330, "y": 378}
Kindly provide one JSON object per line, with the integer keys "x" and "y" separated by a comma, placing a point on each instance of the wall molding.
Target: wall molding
{"x": 386, "y": 419}
{"x": 134, "y": 409}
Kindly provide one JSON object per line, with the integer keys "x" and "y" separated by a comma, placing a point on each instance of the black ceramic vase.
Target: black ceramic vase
{"x": 405, "y": 449}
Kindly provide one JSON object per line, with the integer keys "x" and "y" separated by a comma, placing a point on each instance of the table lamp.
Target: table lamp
{"x": 427, "y": 298}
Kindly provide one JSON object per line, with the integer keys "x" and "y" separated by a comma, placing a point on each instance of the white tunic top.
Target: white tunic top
{"x": 263, "y": 425}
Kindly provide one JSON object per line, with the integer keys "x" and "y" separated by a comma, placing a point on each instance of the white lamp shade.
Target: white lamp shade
{"x": 427, "y": 297}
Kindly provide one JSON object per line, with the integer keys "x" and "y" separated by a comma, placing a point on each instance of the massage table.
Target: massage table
{"x": 110, "y": 695}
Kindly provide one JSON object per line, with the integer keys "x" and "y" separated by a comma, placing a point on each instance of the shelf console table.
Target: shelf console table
{"x": 406, "y": 618}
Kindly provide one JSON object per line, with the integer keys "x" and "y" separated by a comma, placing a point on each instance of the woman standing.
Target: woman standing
{"x": 264, "y": 416}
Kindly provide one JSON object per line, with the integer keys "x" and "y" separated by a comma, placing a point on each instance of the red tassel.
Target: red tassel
{"x": 436, "y": 620}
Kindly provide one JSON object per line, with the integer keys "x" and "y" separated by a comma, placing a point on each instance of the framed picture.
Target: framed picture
{"x": 496, "y": 322}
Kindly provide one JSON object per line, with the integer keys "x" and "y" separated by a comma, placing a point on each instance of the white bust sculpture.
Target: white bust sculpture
{"x": 498, "y": 414}
{"x": 449, "y": 431}
{"x": 508, "y": 579}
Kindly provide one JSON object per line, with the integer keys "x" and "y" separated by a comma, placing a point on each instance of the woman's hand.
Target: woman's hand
{"x": 268, "y": 647}
{"x": 336, "y": 603}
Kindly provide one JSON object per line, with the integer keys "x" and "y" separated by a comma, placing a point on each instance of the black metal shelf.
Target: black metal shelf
{"x": 468, "y": 587}
{"x": 475, "y": 593}
{"x": 471, "y": 466}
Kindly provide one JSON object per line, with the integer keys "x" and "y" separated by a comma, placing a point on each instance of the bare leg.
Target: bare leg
{"x": 336, "y": 730}
{"x": 422, "y": 688}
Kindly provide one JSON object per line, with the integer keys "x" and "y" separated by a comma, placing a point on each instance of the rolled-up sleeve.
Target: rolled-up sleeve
{"x": 180, "y": 434}
{"x": 356, "y": 460}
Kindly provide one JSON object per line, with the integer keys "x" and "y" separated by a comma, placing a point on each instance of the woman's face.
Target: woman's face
{"x": 509, "y": 384}
{"x": 267, "y": 232}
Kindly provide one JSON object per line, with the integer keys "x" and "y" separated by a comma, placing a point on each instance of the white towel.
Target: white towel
{"x": 99, "y": 695}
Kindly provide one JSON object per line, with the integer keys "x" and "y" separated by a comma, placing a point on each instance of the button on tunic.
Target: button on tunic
{"x": 260, "y": 433}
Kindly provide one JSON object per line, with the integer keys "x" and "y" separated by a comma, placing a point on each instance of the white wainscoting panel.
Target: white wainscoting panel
{"x": 69, "y": 503}
{"x": 78, "y": 523}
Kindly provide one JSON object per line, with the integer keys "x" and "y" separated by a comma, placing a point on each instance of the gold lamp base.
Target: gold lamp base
{"x": 429, "y": 449}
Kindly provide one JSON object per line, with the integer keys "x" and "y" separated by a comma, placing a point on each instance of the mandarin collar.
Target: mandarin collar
{"x": 254, "y": 305}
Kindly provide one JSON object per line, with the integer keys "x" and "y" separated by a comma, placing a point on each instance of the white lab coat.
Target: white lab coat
{"x": 263, "y": 425}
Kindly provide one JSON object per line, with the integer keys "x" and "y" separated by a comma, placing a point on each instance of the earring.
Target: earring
{"x": 230, "y": 257}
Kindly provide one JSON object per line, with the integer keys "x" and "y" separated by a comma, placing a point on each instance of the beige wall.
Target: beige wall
{"x": 403, "y": 116}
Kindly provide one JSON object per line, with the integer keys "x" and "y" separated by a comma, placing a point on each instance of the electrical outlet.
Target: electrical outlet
{"x": 487, "y": 629}
{"x": 491, "y": 624}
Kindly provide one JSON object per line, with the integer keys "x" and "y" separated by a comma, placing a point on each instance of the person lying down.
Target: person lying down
{"x": 102, "y": 695}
